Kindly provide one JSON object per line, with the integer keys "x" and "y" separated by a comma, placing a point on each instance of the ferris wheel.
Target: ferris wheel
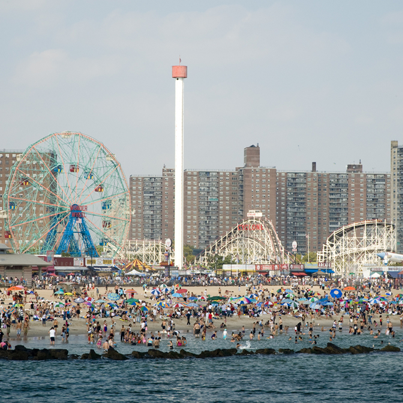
{"x": 66, "y": 194}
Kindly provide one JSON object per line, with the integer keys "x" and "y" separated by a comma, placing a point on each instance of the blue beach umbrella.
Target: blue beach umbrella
{"x": 155, "y": 291}
{"x": 336, "y": 293}
{"x": 113, "y": 296}
{"x": 177, "y": 295}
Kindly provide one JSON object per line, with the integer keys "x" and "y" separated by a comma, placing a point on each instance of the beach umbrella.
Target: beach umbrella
{"x": 59, "y": 292}
{"x": 100, "y": 301}
{"x": 163, "y": 304}
{"x": 144, "y": 309}
{"x": 279, "y": 290}
{"x": 68, "y": 293}
{"x": 215, "y": 298}
{"x": 302, "y": 299}
{"x": 131, "y": 300}
{"x": 78, "y": 300}
{"x": 244, "y": 301}
{"x": 176, "y": 295}
{"x": 349, "y": 288}
{"x": 328, "y": 303}
{"x": 313, "y": 299}
{"x": 59, "y": 305}
{"x": 293, "y": 304}
{"x": 289, "y": 291}
{"x": 88, "y": 299}
{"x": 155, "y": 291}
{"x": 193, "y": 298}
{"x": 113, "y": 296}
{"x": 18, "y": 305}
{"x": 193, "y": 305}
{"x": 315, "y": 306}
{"x": 178, "y": 305}
{"x": 182, "y": 291}
{"x": 268, "y": 303}
{"x": 112, "y": 304}
{"x": 16, "y": 288}
{"x": 336, "y": 293}
{"x": 253, "y": 296}
{"x": 286, "y": 301}
{"x": 131, "y": 291}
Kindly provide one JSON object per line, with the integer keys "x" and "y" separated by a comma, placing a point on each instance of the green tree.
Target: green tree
{"x": 188, "y": 253}
{"x": 312, "y": 258}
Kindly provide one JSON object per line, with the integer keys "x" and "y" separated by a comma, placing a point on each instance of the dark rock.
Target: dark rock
{"x": 173, "y": 355}
{"x": 138, "y": 354}
{"x": 4, "y": 354}
{"x": 18, "y": 355}
{"x": 92, "y": 355}
{"x": 59, "y": 354}
{"x": 333, "y": 349}
{"x": 156, "y": 354}
{"x": 318, "y": 350}
{"x": 43, "y": 354}
{"x": 285, "y": 351}
{"x": 305, "y": 351}
{"x": 266, "y": 351}
{"x": 392, "y": 349}
{"x": 360, "y": 349}
{"x": 220, "y": 353}
{"x": 20, "y": 348}
{"x": 74, "y": 356}
{"x": 112, "y": 354}
{"x": 184, "y": 353}
{"x": 246, "y": 352}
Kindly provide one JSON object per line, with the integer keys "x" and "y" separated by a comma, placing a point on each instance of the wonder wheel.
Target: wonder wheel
{"x": 66, "y": 194}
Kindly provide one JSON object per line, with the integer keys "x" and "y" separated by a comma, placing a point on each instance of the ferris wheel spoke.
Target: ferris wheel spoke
{"x": 44, "y": 163}
{"x": 110, "y": 173}
{"x": 78, "y": 164}
{"x": 37, "y": 219}
{"x": 105, "y": 235}
{"x": 37, "y": 202}
{"x": 104, "y": 199}
{"x": 42, "y": 186}
{"x": 107, "y": 216}
{"x": 87, "y": 176}
{"x": 65, "y": 171}
{"x": 46, "y": 233}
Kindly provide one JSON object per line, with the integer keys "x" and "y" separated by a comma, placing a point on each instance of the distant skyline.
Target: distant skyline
{"x": 308, "y": 81}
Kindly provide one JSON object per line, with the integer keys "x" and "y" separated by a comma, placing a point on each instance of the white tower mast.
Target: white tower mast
{"x": 179, "y": 73}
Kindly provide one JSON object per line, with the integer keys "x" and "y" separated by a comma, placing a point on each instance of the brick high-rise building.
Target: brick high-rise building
{"x": 396, "y": 169}
{"x": 7, "y": 159}
{"x": 303, "y": 206}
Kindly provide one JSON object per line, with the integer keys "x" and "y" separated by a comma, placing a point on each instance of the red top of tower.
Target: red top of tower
{"x": 179, "y": 71}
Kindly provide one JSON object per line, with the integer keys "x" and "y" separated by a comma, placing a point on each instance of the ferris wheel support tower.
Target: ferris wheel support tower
{"x": 179, "y": 73}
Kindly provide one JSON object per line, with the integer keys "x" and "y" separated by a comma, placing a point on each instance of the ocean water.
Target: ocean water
{"x": 374, "y": 377}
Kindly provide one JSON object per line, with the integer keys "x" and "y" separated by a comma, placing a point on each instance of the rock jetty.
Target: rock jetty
{"x": 21, "y": 353}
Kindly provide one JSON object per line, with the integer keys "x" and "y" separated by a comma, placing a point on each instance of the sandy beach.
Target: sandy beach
{"x": 78, "y": 326}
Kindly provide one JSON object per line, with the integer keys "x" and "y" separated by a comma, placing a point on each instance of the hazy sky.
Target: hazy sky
{"x": 307, "y": 80}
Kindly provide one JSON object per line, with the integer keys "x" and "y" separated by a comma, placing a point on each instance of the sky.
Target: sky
{"x": 307, "y": 80}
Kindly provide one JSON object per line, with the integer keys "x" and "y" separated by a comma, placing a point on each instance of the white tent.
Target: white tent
{"x": 135, "y": 273}
{"x": 375, "y": 275}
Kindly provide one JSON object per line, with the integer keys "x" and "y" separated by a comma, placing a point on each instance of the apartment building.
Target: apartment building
{"x": 304, "y": 206}
{"x": 396, "y": 169}
{"x": 7, "y": 159}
